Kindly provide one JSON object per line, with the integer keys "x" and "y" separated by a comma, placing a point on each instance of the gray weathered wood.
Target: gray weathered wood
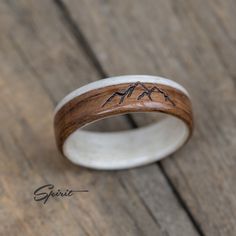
{"x": 41, "y": 61}
{"x": 192, "y": 42}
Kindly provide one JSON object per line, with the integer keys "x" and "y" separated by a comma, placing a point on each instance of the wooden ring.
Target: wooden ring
{"x": 116, "y": 96}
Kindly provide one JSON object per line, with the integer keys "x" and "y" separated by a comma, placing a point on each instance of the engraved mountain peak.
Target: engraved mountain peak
{"x": 146, "y": 92}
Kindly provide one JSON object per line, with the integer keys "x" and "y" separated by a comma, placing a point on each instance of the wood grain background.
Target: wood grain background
{"x": 48, "y": 48}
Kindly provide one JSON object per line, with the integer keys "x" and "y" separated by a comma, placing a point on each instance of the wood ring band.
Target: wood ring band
{"x": 116, "y": 96}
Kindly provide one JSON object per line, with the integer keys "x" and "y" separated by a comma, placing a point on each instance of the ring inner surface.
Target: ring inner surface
{"x": 127, "y": 148}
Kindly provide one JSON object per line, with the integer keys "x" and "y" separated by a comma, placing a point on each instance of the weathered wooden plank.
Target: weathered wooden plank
{"x": 40, "y": 61}
{"x": 194, "y": 43}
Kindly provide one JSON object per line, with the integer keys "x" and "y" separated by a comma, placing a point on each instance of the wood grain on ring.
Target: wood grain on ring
{"x": 120, "y": 99}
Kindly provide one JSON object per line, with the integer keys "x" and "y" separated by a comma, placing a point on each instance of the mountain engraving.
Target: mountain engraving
{"x": 146, "y": 92}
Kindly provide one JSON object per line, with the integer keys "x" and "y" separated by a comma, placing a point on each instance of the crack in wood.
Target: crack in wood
{"x": 146, "y": 92}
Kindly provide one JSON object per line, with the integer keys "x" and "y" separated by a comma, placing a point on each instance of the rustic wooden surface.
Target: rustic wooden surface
{"x": 48, "y": 48}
